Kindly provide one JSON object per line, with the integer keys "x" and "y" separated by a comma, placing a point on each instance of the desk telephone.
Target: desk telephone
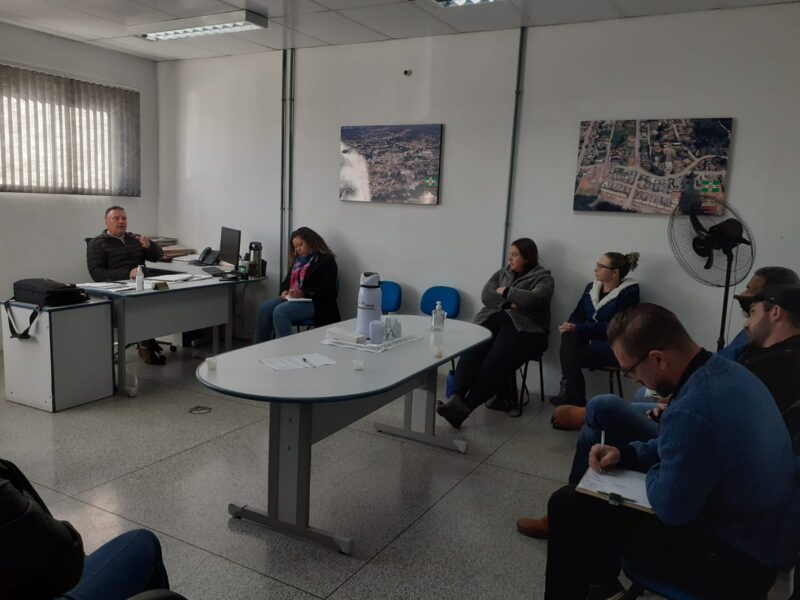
{"x": 208, "y": 256}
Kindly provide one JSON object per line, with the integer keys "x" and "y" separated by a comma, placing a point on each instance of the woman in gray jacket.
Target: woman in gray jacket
{"x": 516, "y": 309}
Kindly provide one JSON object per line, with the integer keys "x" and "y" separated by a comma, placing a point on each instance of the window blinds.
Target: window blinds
{"x": 63, "y": 135}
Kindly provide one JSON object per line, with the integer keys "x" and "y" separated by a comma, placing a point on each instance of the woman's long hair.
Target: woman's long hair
{"x": 530, "y": 253}
{"x": 310, "y": 237}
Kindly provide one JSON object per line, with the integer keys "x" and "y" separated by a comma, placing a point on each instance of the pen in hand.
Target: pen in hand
{"x": 602, "y": 447}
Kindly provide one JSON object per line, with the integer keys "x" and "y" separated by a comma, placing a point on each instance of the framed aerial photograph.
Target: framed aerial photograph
{"x": 652, "y": 166}
{"x": 392, "y": 164}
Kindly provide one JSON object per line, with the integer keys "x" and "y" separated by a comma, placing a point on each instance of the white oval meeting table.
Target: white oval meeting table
{"x": 308, "y": 404}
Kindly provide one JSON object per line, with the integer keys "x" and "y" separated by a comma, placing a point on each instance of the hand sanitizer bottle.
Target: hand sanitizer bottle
{"x": 139, "y": 279}
{"x": 437, "y": 317}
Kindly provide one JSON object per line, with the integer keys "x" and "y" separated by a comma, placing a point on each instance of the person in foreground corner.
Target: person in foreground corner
{"x": 720, "y": 477}
{"x": 516, "y": 309}
{"x": 116, "y": 254}
{"x": 42, "y": 558}
{"x": 768, "y": 345}
{"x": 308, "y": 291}
{"x": 583, "y": 335}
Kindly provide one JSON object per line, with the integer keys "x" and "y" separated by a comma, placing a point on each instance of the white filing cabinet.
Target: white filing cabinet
{"x": 68, "y": 359}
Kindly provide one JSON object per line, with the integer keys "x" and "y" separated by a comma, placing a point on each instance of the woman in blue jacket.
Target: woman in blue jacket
{"x": 583, "y": 337}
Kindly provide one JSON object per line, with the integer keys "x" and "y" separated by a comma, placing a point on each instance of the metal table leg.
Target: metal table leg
{"x": 290, "y": 480}
{"x": 419, "y": 419}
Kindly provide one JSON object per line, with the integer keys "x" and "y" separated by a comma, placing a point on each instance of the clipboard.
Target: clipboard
{"x": 619, "y": 487}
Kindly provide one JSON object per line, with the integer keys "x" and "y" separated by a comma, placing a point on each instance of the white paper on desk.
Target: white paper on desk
{"x": 101, "y": 285}
{"x": 631, "y": 485}
{"x": 171, "y": 278}
{"x": 299, "y": 361}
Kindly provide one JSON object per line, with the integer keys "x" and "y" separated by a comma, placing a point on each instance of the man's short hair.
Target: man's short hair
{"x": 778, "y": 276}
{"x": 645, "y": 327}
{"x": 110, "y": 208}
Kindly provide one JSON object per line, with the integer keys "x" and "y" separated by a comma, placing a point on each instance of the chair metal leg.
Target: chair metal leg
{"x": 610, "y": 382}
{"x": 619, "y": 384}
{"x": 524, "y": 388}
{"x": 541, "y": 380}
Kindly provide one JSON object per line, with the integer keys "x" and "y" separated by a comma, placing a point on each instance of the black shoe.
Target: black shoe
{"x": 497, "y": 403}
{"x": 455, "y": 412}
{"x": 571, "y": 393}
{"x": 613, "y": 590}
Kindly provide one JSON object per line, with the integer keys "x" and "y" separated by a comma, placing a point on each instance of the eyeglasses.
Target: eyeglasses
{"x": 599, "y": 266}
{"x": 627, "y": 372}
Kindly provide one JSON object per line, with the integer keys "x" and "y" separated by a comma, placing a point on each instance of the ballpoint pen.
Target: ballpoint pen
{"x": 308, "y": 362}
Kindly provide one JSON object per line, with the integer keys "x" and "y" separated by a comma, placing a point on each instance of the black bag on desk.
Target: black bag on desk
{"x": 46, "y": 292}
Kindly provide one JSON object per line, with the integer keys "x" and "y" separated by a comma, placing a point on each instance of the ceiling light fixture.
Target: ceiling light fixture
{"x": 455, "y": 3}
{"x": 229, "y": 22}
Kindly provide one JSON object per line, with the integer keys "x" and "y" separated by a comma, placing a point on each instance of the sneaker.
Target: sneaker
{"x": 569, "y": 418}
{"x": 535, "y": 528}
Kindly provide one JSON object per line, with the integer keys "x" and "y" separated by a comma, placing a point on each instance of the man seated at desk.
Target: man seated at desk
{"x": 116, "y": 254}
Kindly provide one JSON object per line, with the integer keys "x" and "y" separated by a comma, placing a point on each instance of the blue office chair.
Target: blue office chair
{"x": 391, "y": 296}
{"x": 450, "y": 298}
{"x": 308, "y": 323}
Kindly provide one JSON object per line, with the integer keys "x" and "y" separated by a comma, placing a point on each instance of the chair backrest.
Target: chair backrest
{"x": 87, "y": 240}
{"x": 450, "y": 298}
{"x": 391, "y": 296}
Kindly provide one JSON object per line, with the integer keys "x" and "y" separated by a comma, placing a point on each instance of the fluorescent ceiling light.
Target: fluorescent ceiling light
{"x": 453, "y": 3}
{"x": 229, "y": 22}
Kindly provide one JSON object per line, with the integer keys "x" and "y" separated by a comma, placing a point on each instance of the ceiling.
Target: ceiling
{"x": 307, "y": 23}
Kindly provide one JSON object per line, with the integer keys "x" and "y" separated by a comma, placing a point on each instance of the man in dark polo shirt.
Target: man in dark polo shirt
{"x": 116, "y": 254}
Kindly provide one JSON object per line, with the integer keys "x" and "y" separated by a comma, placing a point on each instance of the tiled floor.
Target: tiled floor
{"x": 427, "y": 523}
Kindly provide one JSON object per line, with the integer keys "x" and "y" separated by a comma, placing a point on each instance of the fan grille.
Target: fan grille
{"x": 682, "y": 234}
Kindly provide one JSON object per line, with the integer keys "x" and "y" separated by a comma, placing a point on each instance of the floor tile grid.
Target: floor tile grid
{"x": 478, "y": 464}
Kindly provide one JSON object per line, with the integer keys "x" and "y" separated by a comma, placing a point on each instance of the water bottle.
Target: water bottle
{"x": 437, "y": 317}
{"x": 139, "y": 279}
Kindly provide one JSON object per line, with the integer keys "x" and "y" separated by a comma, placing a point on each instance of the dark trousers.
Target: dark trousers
{"x": 588, "y": 537}
{"x": 484, "y": 370}
{"x": 577, "y": 353}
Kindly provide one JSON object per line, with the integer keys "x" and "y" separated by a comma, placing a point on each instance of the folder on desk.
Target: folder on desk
{"x": 619, "y": 486}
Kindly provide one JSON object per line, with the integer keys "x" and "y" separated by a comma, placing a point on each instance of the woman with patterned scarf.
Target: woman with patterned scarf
{"x": 308, "y": 291}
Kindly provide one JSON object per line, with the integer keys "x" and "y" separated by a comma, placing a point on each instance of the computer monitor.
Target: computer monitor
{"x": 229, "y": 246}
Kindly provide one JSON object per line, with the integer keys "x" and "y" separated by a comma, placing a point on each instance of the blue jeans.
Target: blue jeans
{"x": 127, "y": 565}
{"x": 623, "y": 422}
{"x": 278, "y": 315}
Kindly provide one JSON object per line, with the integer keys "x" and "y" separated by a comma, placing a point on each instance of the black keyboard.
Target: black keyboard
{"x": 214, "y": 271}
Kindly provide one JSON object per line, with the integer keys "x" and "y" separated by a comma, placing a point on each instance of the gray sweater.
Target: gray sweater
{"x": 529, "y": 293}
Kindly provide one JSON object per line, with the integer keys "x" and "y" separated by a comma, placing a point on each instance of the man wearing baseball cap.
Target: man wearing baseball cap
{"x": 773, "y": 354}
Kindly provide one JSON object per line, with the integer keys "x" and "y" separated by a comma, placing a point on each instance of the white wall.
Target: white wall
{"x": 737, "y": 63}
{"x": 220, "y": 154}
{"x": 42, "y": 235}
{"x": 465, "y": 82}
